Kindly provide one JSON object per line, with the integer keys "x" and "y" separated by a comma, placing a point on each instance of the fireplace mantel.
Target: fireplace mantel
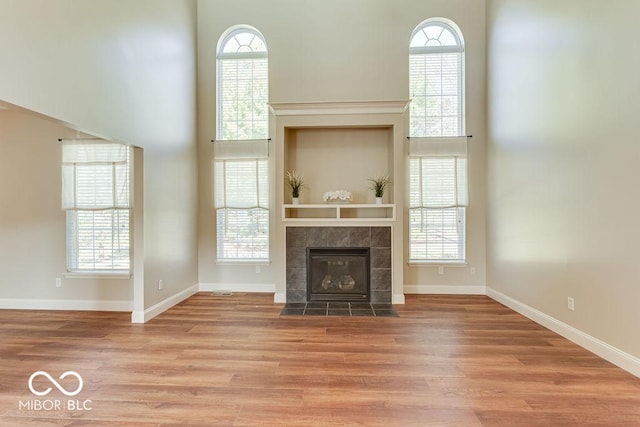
{"x": 339, "y": 212}
{"x": 338, "y": 107}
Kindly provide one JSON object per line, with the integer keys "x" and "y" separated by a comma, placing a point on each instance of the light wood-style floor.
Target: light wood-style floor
{"x": 234, "y": 361}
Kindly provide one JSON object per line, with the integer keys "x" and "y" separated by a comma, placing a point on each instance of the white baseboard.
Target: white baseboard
{"x": 445, "y": 289}
{"x": 397, "y": 299}
{"x": 61, "y": 304}
{"x": 238, "y": 287}
{"x": 608, "y": 352}
{"x": 162, "y": 306}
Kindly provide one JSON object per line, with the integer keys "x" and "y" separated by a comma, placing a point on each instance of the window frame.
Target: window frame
{"x": 222, "y": 56}
{"x": 120, "y": 207}
{"x": 244, "y": 149}
{"x": 222, "y": 206}
{"x": 458, "y": 48}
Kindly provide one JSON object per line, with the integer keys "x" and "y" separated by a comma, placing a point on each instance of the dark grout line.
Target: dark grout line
{"x": 368, "y": 310}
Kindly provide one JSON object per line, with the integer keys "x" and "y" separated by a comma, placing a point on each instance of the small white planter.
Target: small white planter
{"x": 378, "y": 200}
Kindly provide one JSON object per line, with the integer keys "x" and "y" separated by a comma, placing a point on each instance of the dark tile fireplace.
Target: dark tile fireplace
{"x": 341, "y": 239}
{"x": 338, "y": 274}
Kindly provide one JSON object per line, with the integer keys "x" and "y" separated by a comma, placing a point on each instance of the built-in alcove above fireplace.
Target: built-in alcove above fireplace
{"x": 339, "y": 158}
{"x": 339, "y": 146}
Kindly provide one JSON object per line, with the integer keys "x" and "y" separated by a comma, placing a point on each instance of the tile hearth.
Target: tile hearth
{"x": 334, "y": 308}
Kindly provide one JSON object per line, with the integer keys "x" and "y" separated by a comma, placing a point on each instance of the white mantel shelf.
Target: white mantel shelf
{"x": 339, "y": 212}
{"x": 338, "y": 107}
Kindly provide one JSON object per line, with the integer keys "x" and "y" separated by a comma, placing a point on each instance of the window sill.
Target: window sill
{"x": 243, "y": 262}
{"x": 434, "y": 264}
{"x": 119, "y": 275}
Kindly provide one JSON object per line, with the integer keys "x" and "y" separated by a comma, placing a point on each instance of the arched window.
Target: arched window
{"x": 241, "y": 179}
{"x": 243, "y": 85}
{"x": 438, "y": 156}
{"x": 436, "y": 80}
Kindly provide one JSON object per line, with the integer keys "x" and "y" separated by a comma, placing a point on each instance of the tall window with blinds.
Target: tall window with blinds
{"x": 438, "y": 149}
{"x": 97, "y": 199}
{"x": 241, "y": 150}
{"x": 243, "y": 86}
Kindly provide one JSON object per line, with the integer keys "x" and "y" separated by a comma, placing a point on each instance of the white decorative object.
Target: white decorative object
{"x": 295, "y": 200}
{"x": 378, "y": 200}
{"x": 338, "y": 196}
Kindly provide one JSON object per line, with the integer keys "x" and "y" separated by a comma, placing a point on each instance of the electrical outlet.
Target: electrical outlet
{"x": 472, "y": 271}
{"x": 441, "y": 270}
{"x": 258, "y": 269}
{"x": 58, "y": 282}
{"x": 160, "y": 284}
{"x": 571, "y": 304}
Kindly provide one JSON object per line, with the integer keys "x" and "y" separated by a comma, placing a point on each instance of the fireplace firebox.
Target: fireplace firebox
{"x": 338, "y": 274}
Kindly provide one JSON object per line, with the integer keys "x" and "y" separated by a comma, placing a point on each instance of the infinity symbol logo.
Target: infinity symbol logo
{"x": 55, "y": 383}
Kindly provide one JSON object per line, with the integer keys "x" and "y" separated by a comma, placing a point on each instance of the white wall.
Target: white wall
{"x": 32, "y": 223}
{"x": 336, "y": 50}
{"x": 124, "y": 70}
{"x": 563, "y": 205}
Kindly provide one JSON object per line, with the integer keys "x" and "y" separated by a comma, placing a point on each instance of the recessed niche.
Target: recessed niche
{"x": 339, "y": 158}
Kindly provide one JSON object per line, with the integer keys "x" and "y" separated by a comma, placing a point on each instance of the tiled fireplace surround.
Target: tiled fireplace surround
{"x": 378, "y": 239}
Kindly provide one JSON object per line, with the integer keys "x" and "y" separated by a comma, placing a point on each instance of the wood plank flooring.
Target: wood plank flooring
{"x": 234, "y": 361}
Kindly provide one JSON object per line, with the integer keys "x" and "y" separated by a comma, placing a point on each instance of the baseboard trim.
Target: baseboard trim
{"x": 68, "y": 305}
{"x": 162, "y": 306}
{"x": 608, "y": 352}
{"x": 445, "y": 290}
{"x": 238, "y": 287}
{"x": 397, "y": 299}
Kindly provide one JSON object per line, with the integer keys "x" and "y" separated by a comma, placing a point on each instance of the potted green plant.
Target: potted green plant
{"x": 378, "y": 184}
{"x": 295, "y": 182}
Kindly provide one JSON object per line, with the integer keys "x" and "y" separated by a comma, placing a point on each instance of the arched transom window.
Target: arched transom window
{"x": 243, "y": 85}
{"x": 436, "y": 80}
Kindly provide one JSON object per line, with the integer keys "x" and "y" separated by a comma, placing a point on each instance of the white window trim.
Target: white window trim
{"x": 244, "y": 262}
{"x": 239, "y": 149}
{"x": 460, "y": 49}
{"x": 70, "y": 202}
{"x": 438, "y": 263}
{"x": 222, "y": 56}
{"x": 98, "y": 274}
{"x": 230, "y": 261}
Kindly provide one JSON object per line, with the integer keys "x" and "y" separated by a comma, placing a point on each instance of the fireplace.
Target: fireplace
{"x": 338, "y": 274}
{"x": 376, "y": 241}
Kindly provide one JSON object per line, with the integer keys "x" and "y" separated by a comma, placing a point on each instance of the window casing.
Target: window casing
{"x": 96, "y": 195}
{"x": 241, "y": 151}
{"x": 437, "y": 164}
{"x": 242, "y": 209}
{"x": 243, "y": 86}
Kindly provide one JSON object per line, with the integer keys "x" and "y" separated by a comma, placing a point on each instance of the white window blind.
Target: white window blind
{"x": 242, "y": 149}
{"x": 97, "y": 200}
{"x": 438, "y": 193}
{"x": 438, "y": 172}
{"x": 243, "y": 86}
{"x": 436, "y": 81}
{"x": 242, "y": 208}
